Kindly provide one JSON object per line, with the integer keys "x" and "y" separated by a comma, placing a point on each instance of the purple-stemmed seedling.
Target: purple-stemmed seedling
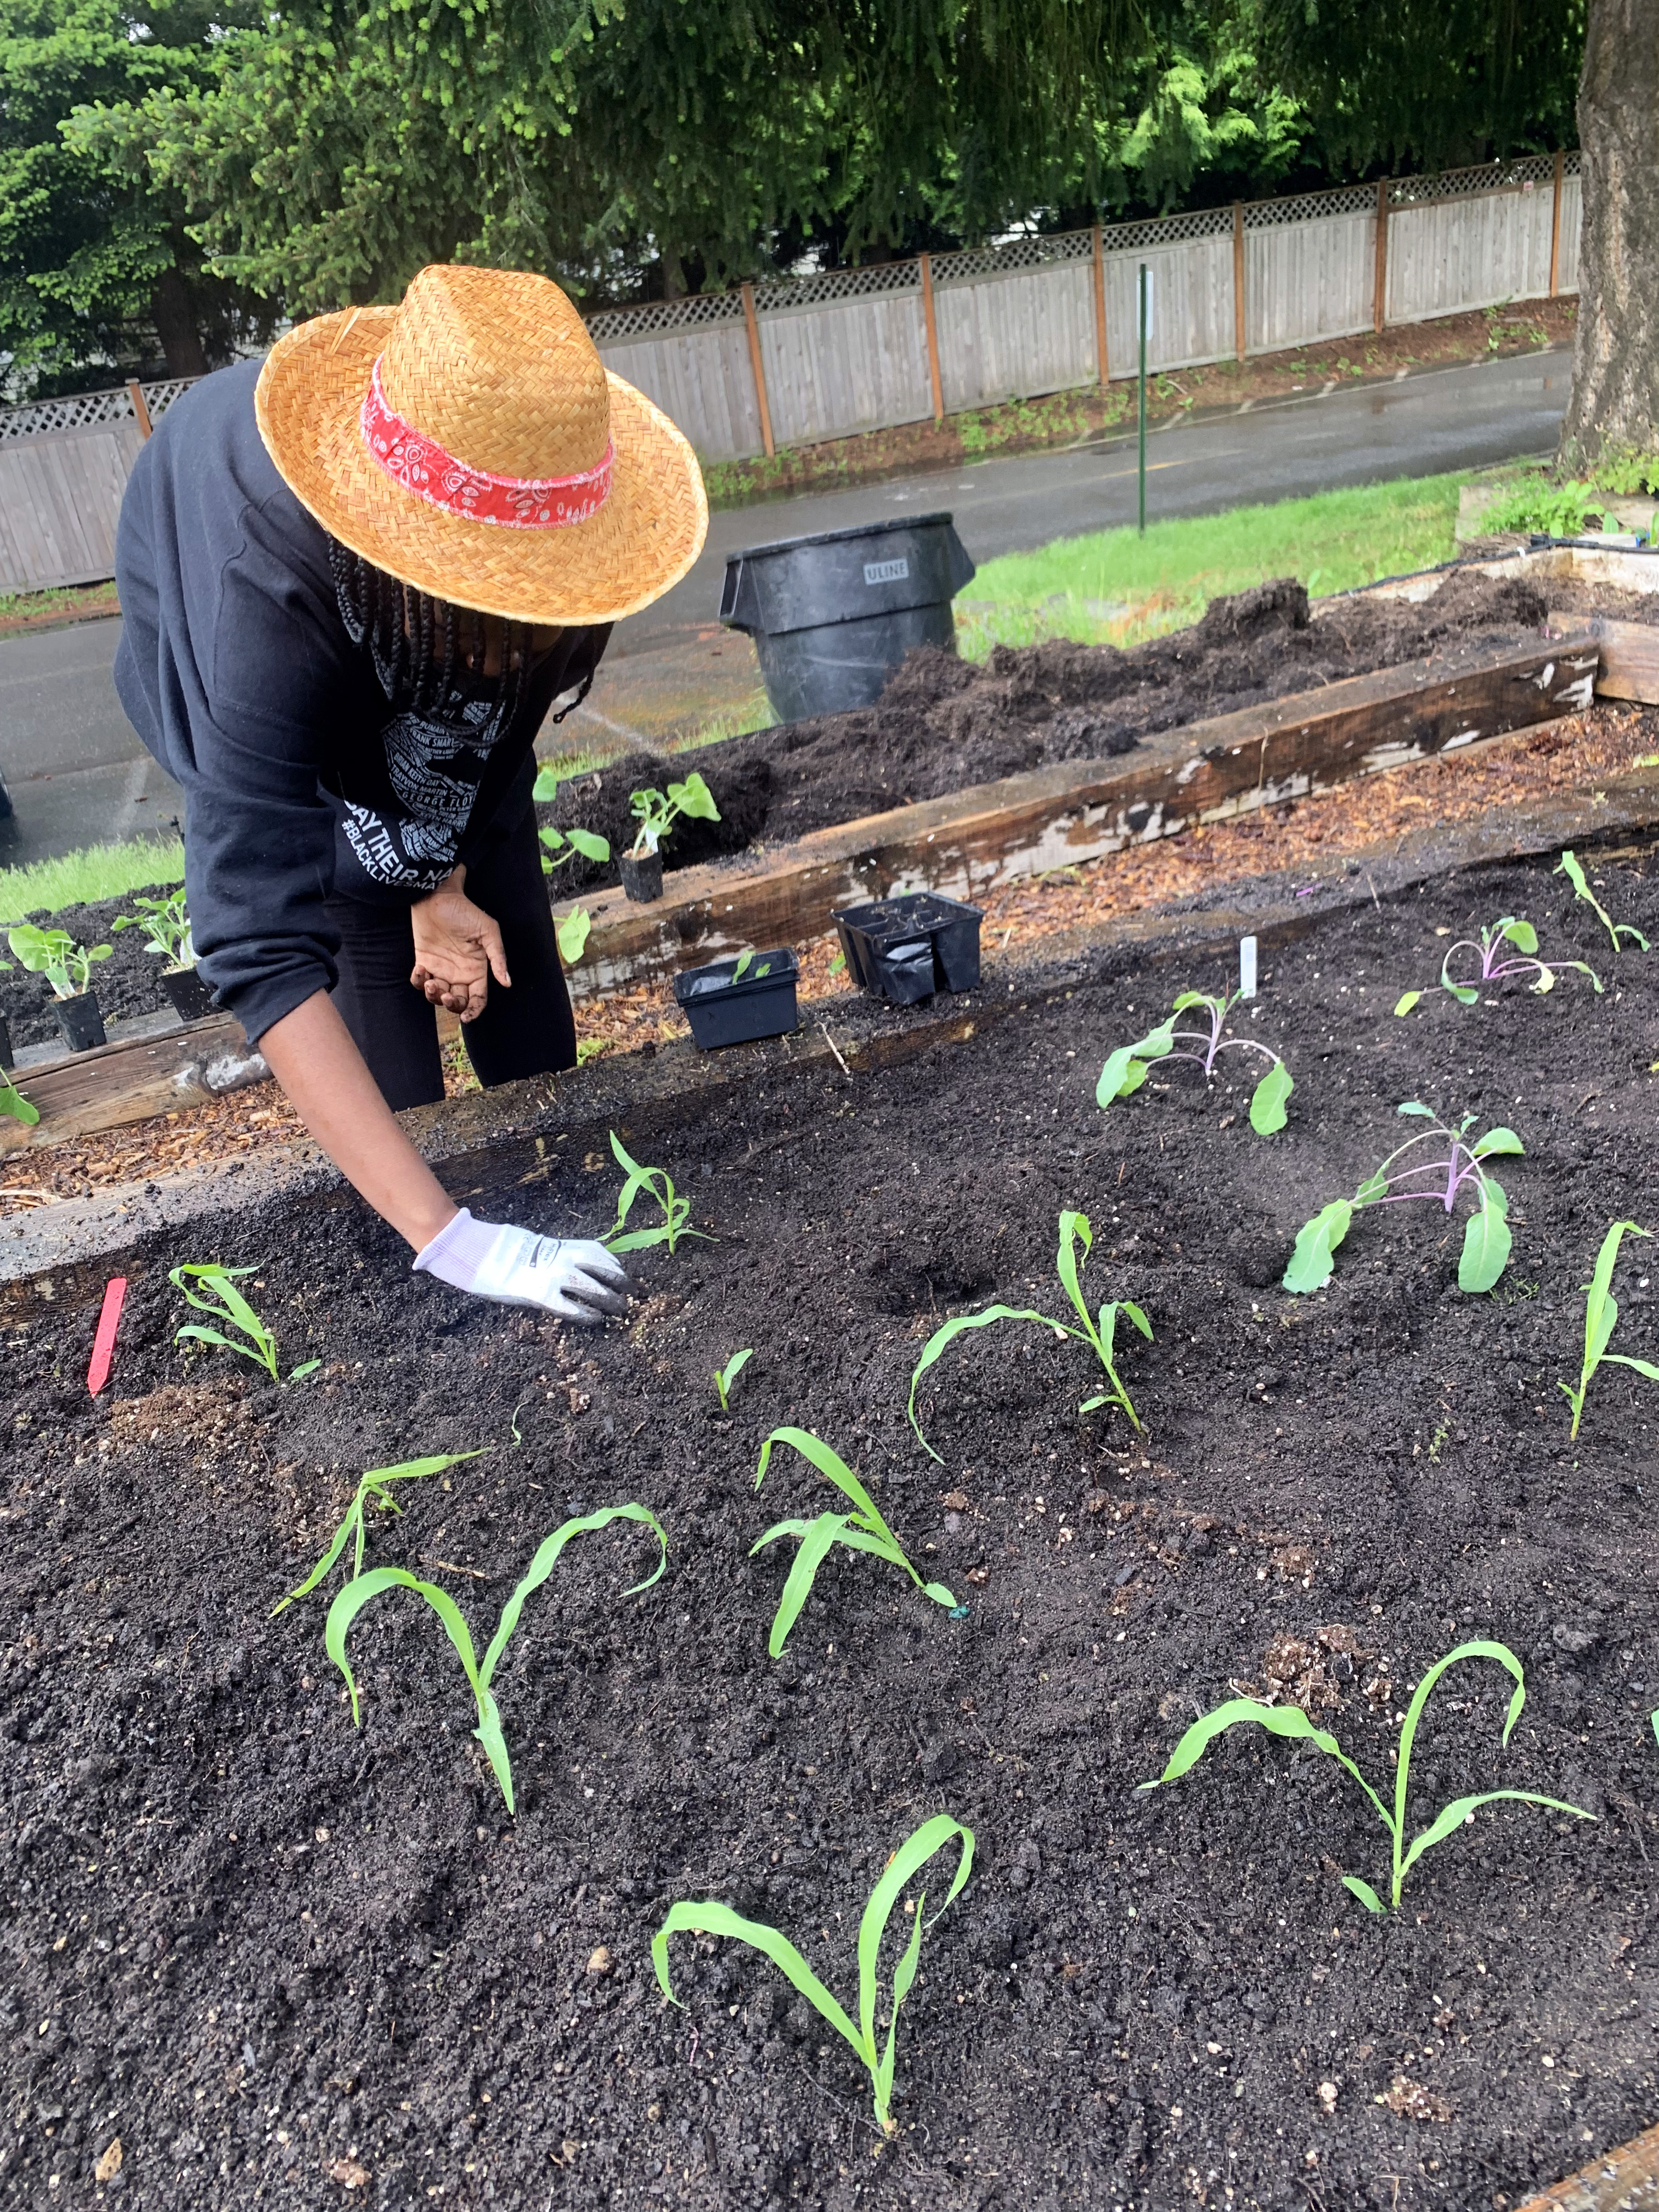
{"x": 1453, "y": 1166}
{"x": 1506, "y": 948}
{"x": 1129, "y": 1066}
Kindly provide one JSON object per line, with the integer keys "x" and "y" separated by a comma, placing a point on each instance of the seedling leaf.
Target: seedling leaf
{"x": 1568, "y": 865}
{"x": 1125, "y": 1070}
{"x": 12, "y": 1102}
{"x": 944, "y": 1336}
{"x": 726, "y": 1376}
{"x": 376, "y": 1484}
{"x": 1268, "y": 1101}
{"x": 1312, "y": 1260}
{"x": 573, "y": 931}
{"x": 1403, "y": 1006}
{"x": 1486, "y": 1244}
{"x": 1363, "y": 1890}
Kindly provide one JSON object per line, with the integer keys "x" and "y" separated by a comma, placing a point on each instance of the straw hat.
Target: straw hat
{"x": 472, "y": 442}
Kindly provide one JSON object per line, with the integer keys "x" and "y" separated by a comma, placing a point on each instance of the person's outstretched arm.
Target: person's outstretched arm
{"x": 312, "y": 1054}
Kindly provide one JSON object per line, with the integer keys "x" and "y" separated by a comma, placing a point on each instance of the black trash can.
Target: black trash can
{"x": 833, "y": 616}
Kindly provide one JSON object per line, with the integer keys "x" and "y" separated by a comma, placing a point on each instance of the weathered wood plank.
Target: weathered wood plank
{"x": 1630, "y": 655}
{"x": 971, "y": 841}
{"x": 128, "y": 1080}
{"x": 1622, "y": 2180}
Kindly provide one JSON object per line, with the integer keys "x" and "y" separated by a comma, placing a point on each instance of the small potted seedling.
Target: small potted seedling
{"x": 166, "y": 924}
{"x": 68, "y": 968}
{"x": 657, "y": 812}
{"x": 1130, "y": 1065}
{"x": 1507, "y": 948}
{"x": 735, "y": 1001}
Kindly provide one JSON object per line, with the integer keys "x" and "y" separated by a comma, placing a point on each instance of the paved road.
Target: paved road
{"x": 77, "y": 773}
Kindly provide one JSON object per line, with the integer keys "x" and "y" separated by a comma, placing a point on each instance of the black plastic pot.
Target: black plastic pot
{"x": 641, "y": 879}
{"x": 833, "y": 616}
{"x": 81, "y": 1020}
{"x": 721, "y": 1011}
{"x": 6, "y": 1059}
{"x": 190, "y": 994}
{"x": 906, "y": 949}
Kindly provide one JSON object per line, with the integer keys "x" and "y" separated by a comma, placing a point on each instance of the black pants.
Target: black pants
{"x": 528, "y": 1030}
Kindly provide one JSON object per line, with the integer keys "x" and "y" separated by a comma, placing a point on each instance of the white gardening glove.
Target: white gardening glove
{"x": 574, "y": 1277}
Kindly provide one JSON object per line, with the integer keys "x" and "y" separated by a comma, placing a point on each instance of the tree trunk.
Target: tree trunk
{"x": 175, "y": 326}
{"x": 1615, "y": 375}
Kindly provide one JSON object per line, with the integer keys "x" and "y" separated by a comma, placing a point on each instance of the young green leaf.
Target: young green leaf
{"x": 710, "y": 1917}
{"x": 1403, "y": 1006}
{"x": 13, "y": 1102}
{"x": 726, "y": 1376}
{"x": 211, "y": 1289}
{"x": 1520, "y": 934}
{"x": 547, "y": 785}
{"x": 376, "y": 1486}
{"x": 944, "y": 1336}
{"x": 572, "y": 930}
{"x": 1268, "y": 1100}
{"x": 745, "y": 961}
{"x": 1568, "y": 865}
{"x": 1313, "y": 1260}
{"x": 1126, "y": 1069}
{"x": 658, "y": 1185}
{"x": 1486, "y": 1241}
{"x": 693, "y": 797}
{"x": 1600, "y": 1314}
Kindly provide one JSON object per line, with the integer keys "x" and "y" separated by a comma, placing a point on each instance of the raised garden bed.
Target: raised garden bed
{"x": 375, "y": 1979}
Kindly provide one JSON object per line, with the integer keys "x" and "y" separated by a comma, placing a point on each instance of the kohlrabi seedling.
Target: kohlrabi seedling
{"x": 1601, "y": 1313}
{"x": 226, "y": 1303}
{"x": 726, "y": 1376}
{"x": 863, "y": 1529}
{"x": 1506, "y": 949}
{"x": 54, "y": 954}
{"x": 1452, "y": 1166}
{"x": 1568, "y": 865}
{"x": 711, "y": 1918}
{"x": 362, "y": 1589}
{"x": 13, "y": 1102}
{"x": 1100, "y": 1335}
{"x": 166, "y": 924}
{"x": 1130, "y": 1065}
{"x": 1291, "y": 1721}
{"x": 374, "y": 1488}
{"x": 657, "y": 812}
{"x": 657, "y": 1184}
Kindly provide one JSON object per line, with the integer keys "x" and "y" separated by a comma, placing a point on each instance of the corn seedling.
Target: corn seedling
{"x": 1100, "y": 1335}
{"x": 1568, "y": 865}
{"x": 166, "y": 924}
{"x": 711, "y": 1918}
{"x": 1601, "y": 1313}
{"x": 54, "y": 954}
{"x": 657, "y": 811}
{"x": 1456, "y": 1165}
{"x": 1130, "y": 1065}
{"x": 657, "y": 1184}
{"x": 726, "y": 1376}
{"x": 745, "y": 962}
{"x": 363, "y": 1589}
{"x": 375, "y": 1488}
{"x": 863, "y": 1529}
{"x": 13, "y": 1102}
{"x": 1292, "y": 1722}
{"x": 1506, "y": 949}
{"x": 215, "y": 1293}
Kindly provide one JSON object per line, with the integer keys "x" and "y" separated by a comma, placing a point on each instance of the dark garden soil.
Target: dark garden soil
{"x": 129, "y": 982}
{"x": 281, "y": 1959}
{"x": 943, "y": 724}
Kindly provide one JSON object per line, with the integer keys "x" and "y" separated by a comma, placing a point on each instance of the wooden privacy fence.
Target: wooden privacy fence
{"x": 796, "y": 361}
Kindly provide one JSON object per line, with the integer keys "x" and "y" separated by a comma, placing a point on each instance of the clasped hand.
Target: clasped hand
{"x": 457, "y": 948}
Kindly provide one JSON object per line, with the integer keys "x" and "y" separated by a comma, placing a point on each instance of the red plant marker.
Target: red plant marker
{"x": 103, "y": 1345}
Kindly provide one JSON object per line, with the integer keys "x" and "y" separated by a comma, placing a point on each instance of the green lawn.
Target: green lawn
{"x": 1119, "y": 587}
{"x": 98, "y": 871}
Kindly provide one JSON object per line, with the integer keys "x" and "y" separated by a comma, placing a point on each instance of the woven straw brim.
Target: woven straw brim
{"x": 640, "y": 542}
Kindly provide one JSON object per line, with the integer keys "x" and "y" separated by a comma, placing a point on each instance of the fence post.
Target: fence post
{"x": 136, "y": 391}
{"x": 1555, "y": 225}
{"x": 1380, "y": 296}
{"x": 1101, "y": 356}
{"x": 1238, "y": 281}
{"x": 755, "y": 364}
{"x": 924, "y": 262}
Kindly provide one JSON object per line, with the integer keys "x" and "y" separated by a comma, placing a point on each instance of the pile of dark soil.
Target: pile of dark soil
{"x": 129, "y": 982}
{"x": 278, "y": 1957}
{"x": 943, "y": 724}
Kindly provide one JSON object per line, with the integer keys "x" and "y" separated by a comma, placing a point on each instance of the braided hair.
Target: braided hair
{"x": 417, "y": 642}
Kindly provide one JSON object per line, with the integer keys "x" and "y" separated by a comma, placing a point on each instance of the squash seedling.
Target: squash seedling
{"x": 1506, "y": 948}
{"x": 1130, "y": 1065}
{"x": 657, "y": 811}
{"x": 363, "y": 1589}
{"x": 1568, "y": 865}
{"x": 658, "y": 1184}
{"x": 726, "y": 1376}
{"x": 54, "y": 954}
{"x": 1100, "y": 1335}
{"x": 1601, "y": 1313}
{"x": 13, "y": 1102}
{"x": 562, "y": 847}
{"x": 375, "y": 1487}
{"x": 863, "y": 1529}
{"x": 1456, "y": 1165}
{"x": 710, "y": 1917}
{"x": 1291, "y": 1721}
{"x": 166, "y": 924}
{"x": 226, "y": 1303}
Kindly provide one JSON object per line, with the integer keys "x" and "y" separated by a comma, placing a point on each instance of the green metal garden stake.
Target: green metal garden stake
{"x": 1143, "y": 400}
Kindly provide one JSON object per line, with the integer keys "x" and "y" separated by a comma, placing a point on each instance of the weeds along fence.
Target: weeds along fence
{"x": 799, "y": 360}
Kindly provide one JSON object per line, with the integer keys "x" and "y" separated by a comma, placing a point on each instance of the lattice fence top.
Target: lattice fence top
{"x": 1165, "y": 230}
{"x": 1042, "y": 250}
{"x": 779, "y": 295}
{"x": 1310, "y": 207}
{"x": 85, "y": 410}
{"x": 1529, "y": 169}
{"x": 612, "y": 324}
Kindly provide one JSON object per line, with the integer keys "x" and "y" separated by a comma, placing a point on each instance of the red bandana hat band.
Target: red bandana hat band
{"x": 421, "y": 465}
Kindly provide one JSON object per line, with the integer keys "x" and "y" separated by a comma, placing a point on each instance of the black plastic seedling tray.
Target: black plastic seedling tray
{"x": 721, "y": 1011}
{"x": 906, "y": 949}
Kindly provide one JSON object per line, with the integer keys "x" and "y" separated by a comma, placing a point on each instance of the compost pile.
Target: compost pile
{"x": 945, "y": 724}
{"x": 280, "y": 1958}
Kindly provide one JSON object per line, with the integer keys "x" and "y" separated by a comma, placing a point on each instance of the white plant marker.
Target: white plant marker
{"x": 1247, "y": 967}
